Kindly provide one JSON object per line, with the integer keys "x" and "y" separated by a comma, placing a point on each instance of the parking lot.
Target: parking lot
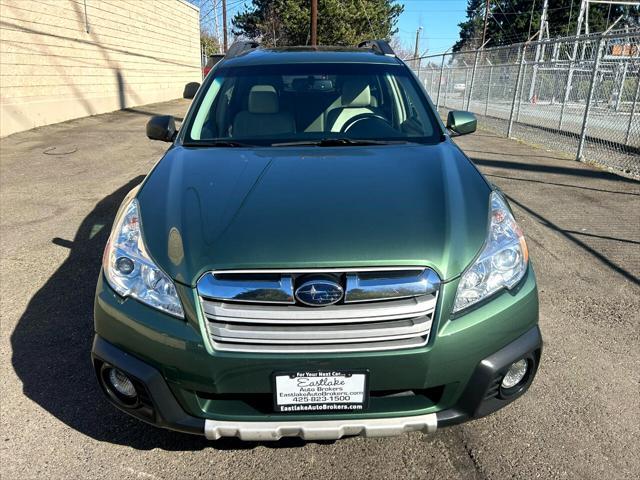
{"x": 60, "y": 186}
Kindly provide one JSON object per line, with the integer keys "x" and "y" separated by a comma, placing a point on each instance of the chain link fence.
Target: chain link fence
{"x": 579, "y": 95}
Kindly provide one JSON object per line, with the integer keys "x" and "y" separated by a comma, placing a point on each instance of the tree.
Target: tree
{"x": 400, "y": 49}
{"x": 340, "y": 22}
{"x": 511, "y": 21}
{"x": 209, "y": 43}
{"x": 471, "y": 28}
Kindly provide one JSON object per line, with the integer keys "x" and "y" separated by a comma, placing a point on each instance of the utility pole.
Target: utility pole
{"x": 224, "y": 25}
{"x": 416, "y": 51}
{"x": 314, "y": 23}
{"x": 216, "y": 27}
{"x": 486, "y": 19}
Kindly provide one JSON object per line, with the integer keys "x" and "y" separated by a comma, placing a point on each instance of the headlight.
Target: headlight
{"x": 502, "y": 262}
{"x": 131, "y": 272}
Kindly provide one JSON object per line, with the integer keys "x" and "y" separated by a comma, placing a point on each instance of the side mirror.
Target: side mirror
{"x": 462, "y": 122}
{"x": 190, "y": 90}
{"x": 161, "y": 127}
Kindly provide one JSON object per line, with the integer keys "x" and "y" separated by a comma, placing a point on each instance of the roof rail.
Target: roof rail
{"x": 380, "y": 46}
{"x": 239, "y": 48}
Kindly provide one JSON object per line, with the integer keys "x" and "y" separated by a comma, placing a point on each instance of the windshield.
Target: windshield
{"x": 311, "y": 103}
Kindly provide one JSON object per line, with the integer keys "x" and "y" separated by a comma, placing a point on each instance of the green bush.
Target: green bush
{"x": 603, "y": 91}
{"x": 580, "y": 90}
{"x": 629, "y": 89}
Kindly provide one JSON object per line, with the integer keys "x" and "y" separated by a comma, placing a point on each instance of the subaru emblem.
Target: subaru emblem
{"x": 319, "y": 293}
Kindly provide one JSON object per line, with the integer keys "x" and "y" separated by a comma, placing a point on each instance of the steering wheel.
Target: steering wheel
{"x": 359, "y": 118}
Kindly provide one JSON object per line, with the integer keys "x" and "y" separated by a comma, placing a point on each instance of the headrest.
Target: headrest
{"x": 356, "y": 93}
{"x": 263, "y": 99}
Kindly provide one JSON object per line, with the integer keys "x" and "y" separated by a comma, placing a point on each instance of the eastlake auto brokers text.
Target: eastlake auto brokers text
{"x": 321, "y": 388}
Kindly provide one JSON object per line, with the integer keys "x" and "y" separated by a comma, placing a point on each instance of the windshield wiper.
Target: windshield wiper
{"x": 338, "y": 142}
{"x": 215, "y": 143}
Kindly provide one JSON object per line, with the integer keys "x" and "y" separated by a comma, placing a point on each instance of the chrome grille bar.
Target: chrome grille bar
{"x": 414, "y": 342}
{"x": 387, "y": 310}
{"x": 361, "y": 332}
{"x": 334, "y": 314}
{"x": 368, "y": 287}
{"x": 246, "y": 289}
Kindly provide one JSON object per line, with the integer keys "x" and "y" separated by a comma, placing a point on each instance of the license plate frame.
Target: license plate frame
{"x": 327, "y": 397}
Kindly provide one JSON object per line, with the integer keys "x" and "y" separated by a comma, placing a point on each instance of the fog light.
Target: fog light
{"x": 516, "y": 373}
{"x": 121, "y": 383}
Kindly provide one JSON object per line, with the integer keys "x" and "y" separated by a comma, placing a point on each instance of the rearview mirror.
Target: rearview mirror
{"x": 161, "y": 127}
{"x": 190, "y": 90}
{"x": 462, "y": 122}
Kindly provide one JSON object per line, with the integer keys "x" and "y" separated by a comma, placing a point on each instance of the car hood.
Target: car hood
{"x": 301, "y": 207}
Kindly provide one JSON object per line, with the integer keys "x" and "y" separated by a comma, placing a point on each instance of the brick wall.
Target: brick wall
{"x": 52, "y": 69}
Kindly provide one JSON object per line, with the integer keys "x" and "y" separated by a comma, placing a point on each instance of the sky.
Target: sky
{"x": 438, "y": 18}
{"x": 439, "y": 21}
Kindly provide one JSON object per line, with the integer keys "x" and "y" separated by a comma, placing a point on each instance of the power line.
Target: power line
{"x": 368, "y": 19}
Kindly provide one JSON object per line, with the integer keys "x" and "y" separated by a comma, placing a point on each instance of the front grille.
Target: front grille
{"x": 265, "y": 318}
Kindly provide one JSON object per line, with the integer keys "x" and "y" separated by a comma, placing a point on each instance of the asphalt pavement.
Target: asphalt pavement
{"x": 60, "y": 187}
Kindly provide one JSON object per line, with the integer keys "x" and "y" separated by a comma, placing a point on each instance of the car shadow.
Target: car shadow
{"x": 569, "y": 170}
{"x": 51, "y": 347}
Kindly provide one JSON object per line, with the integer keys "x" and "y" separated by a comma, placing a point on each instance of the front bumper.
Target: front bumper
{"x": 160, "y": 407}
{"x": 186, "y": 386}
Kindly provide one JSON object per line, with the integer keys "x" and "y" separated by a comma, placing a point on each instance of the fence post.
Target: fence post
{"x": 522, "y": 91}
{"x": 433, "y": 79}
{"x": 633, "y": 109}
{"x": 625, "y": 67}
{"x": 554, "y": 61}
{"x": 486, "y": 105}
{"x": 440, "y": 83}
{"x": 473, "y": 77}
{"x": 446, "y": 88}
{"x": 567, "y": 91}
{"x": 523, "y": 51}
{"x": 587, "y": 108}
{"x": 466, "y": 82}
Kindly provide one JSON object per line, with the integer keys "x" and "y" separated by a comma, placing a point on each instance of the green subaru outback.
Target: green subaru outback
{"x": 314, "y": 257}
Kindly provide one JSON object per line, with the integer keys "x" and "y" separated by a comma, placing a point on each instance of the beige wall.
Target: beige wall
{"x": 51, "y": 69}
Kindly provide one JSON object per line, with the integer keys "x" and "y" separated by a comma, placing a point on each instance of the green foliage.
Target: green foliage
{"x": 340, "y": 22}
{"x": 209, "y": 43}
{"x": 550, "y": 86}
{"x": 629, "y": 89}
{"x": 603, "y": 91}
{"x": 512, "y": 21}
{"x": 580, "y": 91}
{"x": 471, "y": 29}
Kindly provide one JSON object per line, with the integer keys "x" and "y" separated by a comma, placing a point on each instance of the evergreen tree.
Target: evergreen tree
{"x": 340, "y": 22}
{"x": 471, "y": 29}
